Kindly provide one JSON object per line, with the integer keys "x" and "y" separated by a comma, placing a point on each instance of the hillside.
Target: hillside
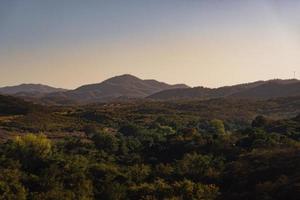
{"x": 259, "y": 89}
{"x": 14, "y": 106}
{"x": 127, "y": 88}
{"x": 271, "y": 90}
{"x": 217, "y": 149}
{"x": 120, "y": 86}
{"x": 29, "y": 90}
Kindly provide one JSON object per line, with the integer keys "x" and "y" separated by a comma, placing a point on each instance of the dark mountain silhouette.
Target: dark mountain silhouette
{"x": 126, "y": 86}
{"x": 29, "y": 90}
{"x": 259, "y": 89}
{"x": 271, "y": 90}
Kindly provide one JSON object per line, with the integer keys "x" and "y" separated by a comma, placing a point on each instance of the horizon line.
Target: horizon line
{"x": 59, "y": 87}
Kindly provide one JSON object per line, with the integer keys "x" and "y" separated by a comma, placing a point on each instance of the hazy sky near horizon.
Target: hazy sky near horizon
{"x": 67, "y": 43}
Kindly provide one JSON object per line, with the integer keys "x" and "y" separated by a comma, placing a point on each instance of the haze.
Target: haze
{"x": 67, "y": 43}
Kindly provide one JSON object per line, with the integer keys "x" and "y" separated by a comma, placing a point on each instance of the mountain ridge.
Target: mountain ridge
{"x": 29, "y": 88}
{"x": 282, "y": 87}
{"x": 126, "y": 87}
{"x": 118, "y": 86}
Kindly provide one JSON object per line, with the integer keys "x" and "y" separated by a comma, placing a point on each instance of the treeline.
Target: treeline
{"x": 198, "y": 159}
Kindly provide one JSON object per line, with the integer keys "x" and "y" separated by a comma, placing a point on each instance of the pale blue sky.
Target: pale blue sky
{"x": 68, "y": 43}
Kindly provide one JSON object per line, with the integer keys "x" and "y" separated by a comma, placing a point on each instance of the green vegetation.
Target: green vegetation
{"x": 153, "y": 150}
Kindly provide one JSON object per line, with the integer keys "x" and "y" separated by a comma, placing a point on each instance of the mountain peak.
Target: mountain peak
{"x": 125, "y": 85}
{"x": 124, "y": 77}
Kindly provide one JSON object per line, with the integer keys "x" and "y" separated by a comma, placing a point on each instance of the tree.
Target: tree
{"x": 161, "y": 189}
{"x": 138, "y": 173}
{"x": 259, "y": 122}
{"x": 11, "y": 187}
{"x": 31, "y": 150}
{"x": 217, "y": 126}
{"x": 107, "y": 181}
{"x": 31, "y": 145}
{"x": 130, "y": 130}
{"x": 197, "y": 166}
{"x": 105, "y": 141}
{"x": 187, "y": 189}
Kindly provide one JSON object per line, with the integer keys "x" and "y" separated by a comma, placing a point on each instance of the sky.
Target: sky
{"x": 212, "y": 43}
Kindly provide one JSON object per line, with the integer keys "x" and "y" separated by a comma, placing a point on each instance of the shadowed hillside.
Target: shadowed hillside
{"x": 29, "y": 89}
{"x": 258, "y": 90}
{"x": 120, "y": 86}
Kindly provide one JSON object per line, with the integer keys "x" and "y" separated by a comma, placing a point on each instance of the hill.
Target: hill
{"x": 259, "y": 90}
{"x": 29, "y": 90}
{"x": 126, "y": 86}
{"x": 214, "y": 150}
{"x": 14, "y": 106}
{"x": 271, "y": 90}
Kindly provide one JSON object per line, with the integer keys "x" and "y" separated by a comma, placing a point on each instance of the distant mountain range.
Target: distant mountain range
{"x": 119, "y": 87}
{"x": 128, "y": 87}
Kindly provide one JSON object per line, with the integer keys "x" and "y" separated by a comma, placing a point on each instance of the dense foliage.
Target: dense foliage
{"x": 149, "y": 152}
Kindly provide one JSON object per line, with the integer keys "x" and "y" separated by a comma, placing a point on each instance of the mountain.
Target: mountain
{"x": 271, "y": 90}
{"x": 29, "y": 90}
{"x": 259, "y": 89}
{"x": 126, "y": 86}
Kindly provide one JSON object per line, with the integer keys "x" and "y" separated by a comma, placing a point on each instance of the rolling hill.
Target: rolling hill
{"x": 126, "y": 86}
{"x": 271, "y": 90}
{"x": 29, "y": 90}
{"x": 259, "y": 90}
